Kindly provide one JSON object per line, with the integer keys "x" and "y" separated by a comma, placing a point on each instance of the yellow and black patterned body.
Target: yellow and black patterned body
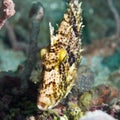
{"x": 61, "y": 59}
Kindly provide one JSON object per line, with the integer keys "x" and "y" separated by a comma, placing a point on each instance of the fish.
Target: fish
{"x": 61, "y": 59}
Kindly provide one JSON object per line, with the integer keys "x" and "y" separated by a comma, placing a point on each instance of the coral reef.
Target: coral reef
{"x": 101, "y": 94}
{"x": 17, "y": 93}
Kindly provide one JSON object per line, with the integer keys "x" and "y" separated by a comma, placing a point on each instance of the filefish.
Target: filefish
{"x": 61, "y": 59}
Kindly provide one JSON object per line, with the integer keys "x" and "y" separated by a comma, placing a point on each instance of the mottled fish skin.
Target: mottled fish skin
{"x": 61, "y": 59}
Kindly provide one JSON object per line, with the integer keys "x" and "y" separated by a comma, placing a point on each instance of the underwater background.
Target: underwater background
{"x": 99, "y": 67}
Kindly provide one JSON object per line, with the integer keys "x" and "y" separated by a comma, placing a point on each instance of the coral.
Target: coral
{"x": 114, "y": 109}
{"x": 85, "y": 101}
{"x": 17, "y": 93}
{"x": 103, "y": 94}
{"x": 74, "y": 112}
{"x": 7, "y": 11}
{"x": 36, "y": 15}
{"x": 97, "y": 96}
{"x": 97, "y": 115}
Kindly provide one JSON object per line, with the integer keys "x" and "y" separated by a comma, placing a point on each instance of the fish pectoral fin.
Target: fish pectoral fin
{"x": 62, "y": 55}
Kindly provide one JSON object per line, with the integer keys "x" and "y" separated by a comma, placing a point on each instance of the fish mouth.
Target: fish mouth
{"x": 44, "y": 107}
{"x": 44, "y": 103}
